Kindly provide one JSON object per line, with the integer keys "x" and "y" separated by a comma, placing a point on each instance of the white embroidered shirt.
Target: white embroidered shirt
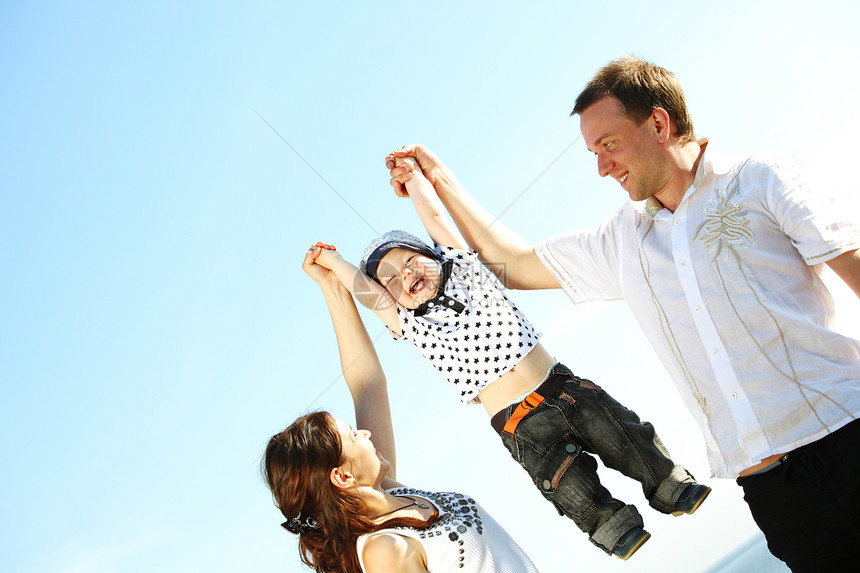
{"x": 727, "y": 289}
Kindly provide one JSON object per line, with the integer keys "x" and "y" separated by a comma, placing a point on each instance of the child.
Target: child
{"x": 445, "y": 302}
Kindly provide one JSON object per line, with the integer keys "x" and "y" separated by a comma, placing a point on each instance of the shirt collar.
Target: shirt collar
{"x": 441, "y": 299}
{"x": 712, "y": 163}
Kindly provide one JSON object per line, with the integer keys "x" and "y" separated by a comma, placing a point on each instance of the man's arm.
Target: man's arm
{"x": 512, "y": 258}
{"x": 430, "y": 209}
{"x": 847, "y": 266}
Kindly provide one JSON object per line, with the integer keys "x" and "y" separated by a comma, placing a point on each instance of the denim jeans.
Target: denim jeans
{"x": 809, "y": 506}
{"x": 553, "y": 442}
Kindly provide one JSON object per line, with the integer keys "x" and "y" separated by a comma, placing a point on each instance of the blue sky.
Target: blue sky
{"x": 156, "y": 325}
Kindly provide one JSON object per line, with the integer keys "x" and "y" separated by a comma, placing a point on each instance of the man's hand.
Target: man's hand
{"x": 403, "y": 172}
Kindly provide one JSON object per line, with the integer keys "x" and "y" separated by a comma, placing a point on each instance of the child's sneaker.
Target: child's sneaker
{"x": 630, "y": 542}
{"x": 691, "y": 498}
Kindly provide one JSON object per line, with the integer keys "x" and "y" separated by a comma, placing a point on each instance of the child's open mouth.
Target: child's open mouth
{"x": 417, "y": 285}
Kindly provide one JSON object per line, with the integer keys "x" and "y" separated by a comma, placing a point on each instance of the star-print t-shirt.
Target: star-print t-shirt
{"x": 471, "y": 332}
{"x": 465, "y": 538}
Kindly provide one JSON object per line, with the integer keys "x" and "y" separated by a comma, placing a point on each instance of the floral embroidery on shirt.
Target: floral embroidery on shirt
{"x": 725, "y": 229}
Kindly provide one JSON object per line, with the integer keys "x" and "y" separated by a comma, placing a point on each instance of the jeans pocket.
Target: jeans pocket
{"x": 554, "y": 463}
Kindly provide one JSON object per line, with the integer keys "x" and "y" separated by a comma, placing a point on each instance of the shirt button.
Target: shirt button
{"x": 683, "y": 263}
{"x": 677, "y": 222}
{"x": 431, "y": 304}
{"x": 715, "y": 352}
{"x": 547, "y": 484}
{"x": 735, "y": 395}
{"x": 698, "y": 309}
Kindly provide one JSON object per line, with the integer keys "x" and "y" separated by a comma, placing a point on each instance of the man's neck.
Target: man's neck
{"x": 686, "y": 159}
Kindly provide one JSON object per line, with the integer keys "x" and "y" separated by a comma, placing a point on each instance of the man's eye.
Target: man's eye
{"x": 608, "y": 145}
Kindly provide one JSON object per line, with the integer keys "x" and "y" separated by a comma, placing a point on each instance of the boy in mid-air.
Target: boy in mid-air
{"x": 446, "y": 303}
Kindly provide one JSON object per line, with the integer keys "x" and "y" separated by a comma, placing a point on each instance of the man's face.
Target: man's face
{"x": 629, "y": 153}
{"x": 409, "y": 277}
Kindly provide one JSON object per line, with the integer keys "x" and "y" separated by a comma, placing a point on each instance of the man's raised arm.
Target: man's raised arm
{"x": 500, "y": 248}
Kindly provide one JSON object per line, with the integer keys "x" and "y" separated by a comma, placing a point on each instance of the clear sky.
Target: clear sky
{"x": 157, "y": 328}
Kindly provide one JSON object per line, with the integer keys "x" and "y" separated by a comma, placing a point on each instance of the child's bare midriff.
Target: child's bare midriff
{"x": 525, "y": 376}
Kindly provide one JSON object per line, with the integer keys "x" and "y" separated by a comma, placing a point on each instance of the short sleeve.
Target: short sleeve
{"x": 586, "y": 262}
{"x": 819, "y": 226}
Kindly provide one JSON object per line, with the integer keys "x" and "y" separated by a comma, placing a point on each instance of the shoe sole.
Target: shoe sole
{"x": 636, "y": 547}
{"x": 693, "y": 509}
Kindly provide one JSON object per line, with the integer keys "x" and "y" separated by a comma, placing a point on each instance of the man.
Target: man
{"x": 719, "y": 262}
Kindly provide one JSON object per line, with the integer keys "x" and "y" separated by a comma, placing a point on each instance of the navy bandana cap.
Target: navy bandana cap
{"x": 381, "y": 246}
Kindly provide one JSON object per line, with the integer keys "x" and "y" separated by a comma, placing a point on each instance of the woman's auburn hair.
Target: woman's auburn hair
{"x": 297, "y": 468}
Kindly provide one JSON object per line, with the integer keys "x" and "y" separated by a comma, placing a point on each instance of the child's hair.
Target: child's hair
{"x": 396, "y": 239}
{"x": 327, "y": 519}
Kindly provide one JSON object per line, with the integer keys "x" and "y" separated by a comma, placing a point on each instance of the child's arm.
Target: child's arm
{"x": 430, "y": 209}
{"x": 495, "y": 242}
{"x": 362, "y": 287}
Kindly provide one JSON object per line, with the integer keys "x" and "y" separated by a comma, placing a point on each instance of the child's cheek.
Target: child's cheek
{"x": 394, "y": 292}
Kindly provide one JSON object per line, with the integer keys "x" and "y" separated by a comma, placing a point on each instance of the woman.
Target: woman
{"x": 339, "y": 492}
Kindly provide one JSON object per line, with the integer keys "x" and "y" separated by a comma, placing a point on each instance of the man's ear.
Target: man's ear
{"x": 662, "y": 124}
{"x": 341, "y": 478}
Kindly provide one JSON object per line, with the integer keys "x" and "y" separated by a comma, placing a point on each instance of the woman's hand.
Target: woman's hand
{"x": 317, "y": 264}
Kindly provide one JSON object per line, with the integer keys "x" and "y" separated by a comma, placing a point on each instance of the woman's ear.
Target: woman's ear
{"x": 341, "y": 478}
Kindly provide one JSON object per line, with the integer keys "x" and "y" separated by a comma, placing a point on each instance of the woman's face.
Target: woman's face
{"x": 361, "y": 458}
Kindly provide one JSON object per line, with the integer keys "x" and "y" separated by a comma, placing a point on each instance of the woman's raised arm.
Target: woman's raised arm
{"x": 359, "y": 361}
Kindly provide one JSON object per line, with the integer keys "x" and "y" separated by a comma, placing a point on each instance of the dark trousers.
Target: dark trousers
{"x": 551, "y": 443}
{"x": 808, "y": 506}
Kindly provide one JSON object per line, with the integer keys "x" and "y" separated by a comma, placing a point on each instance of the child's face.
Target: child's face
{"x": 409, "y": 277}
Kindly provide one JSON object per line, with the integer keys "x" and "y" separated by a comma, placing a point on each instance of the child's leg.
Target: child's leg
{"x": 544, "y": 445}
{"x": 623, "y": 442}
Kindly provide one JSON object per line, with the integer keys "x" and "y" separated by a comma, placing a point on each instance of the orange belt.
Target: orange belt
{"x": 531, "y": 402}
{"x": 558, "y": 376}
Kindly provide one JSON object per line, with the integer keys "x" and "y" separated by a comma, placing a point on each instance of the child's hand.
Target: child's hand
{"x": 325, "y": 255}
{"x": 401, "y": 173}
{"x": 319, "y": 272}
{"x": 408, "y": 166}
{"x": 418, "y": 185}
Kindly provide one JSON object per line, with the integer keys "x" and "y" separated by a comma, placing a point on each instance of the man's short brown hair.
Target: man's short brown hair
{"x": 640, "y": 87}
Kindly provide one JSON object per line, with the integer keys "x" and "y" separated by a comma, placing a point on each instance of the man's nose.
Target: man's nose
{"x": 604, "y": 166}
